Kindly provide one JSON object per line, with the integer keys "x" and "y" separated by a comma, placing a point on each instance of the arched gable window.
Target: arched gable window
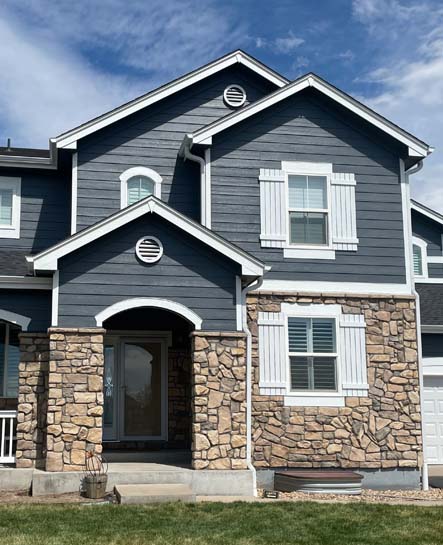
{"x": 138, "y": 183}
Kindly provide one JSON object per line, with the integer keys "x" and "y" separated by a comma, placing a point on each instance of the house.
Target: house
{"x": 223, "y": 266}
{"x": 427, "y": 239}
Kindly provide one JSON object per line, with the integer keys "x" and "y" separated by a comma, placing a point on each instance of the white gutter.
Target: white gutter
{"x": 424, "y": 476}
{"x": 197, "y": 159}
{"x": 245, "y": 291}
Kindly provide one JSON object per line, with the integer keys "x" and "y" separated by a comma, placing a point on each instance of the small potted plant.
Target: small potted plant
{"x": 96, "y": 477}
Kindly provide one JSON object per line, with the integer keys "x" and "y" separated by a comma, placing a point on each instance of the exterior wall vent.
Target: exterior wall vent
{"x": 149, "y": 249}
{"x": 234, "y": 96}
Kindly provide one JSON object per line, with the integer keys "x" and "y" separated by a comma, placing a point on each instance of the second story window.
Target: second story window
{"x": 10, "y": 203}
{"x": 418, "y": 260}
{"x": 137, "y": 183}
{"x": 308, "y": 210}
{"x": 419, "y": 257}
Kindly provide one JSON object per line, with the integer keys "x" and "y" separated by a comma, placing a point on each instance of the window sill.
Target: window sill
{"x": 308, "y": 253}
{"x": 295, "y": 400}
{"x": 9, "y": 232}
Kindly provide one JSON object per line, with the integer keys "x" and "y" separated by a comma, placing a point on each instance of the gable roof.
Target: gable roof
{"x": 416, "y": 147}
{"x": 69, "y": 139}
{"x": 48, "y": 259}
{"x": 428, "y": 212}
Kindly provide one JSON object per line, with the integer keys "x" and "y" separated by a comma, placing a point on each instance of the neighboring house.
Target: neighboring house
{"x": 427, "y": 239}
{"x": 222, "y": 266}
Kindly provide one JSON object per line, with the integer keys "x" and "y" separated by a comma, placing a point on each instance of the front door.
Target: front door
{"x": 135, "y": 378}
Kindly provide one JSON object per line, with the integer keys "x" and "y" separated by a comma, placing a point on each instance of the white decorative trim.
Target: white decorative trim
{"x": 431, "y": 280}
{"x": 311, "y": 310}
{"x": 407, "y": 223}
{"x": 69, "y": 139}
{"x": 416, "y": 147}
{"x": 435, "y": 259}
{"x": 433, "y": 366}
{"x": 25, "y": 283}
{"x": 48, "y": 259}
{"x": 55, "y": 293}
{"x": 271, "y": 175}
{"x": 139, "y": 171}
{"x": 143, "y": 302}
{"x": 350, "y": 288}
{"x": 313, "y": 401}
{"x": 238, "y": 304}
{"x": 14, "y": 184}
{"x": 423, "y": 245}
{"x": 74, "y": 191}
{"x": 14, "y": 318}
{"x": 273, "y": 209}
{"x": 307, "y": 168}
{"x": 343, "y": 211}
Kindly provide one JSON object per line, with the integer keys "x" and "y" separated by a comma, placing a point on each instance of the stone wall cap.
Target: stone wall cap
{"x": 81, "y": 330}
{"x": 237, "y": 334}
{"x": 341, "y": 295}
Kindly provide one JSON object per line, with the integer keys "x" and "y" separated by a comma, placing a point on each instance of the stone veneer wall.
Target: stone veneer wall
{"x": 75, "y": 397}
{"x": 179, "y": 398}
{"x": 382, "y": 430}
{"x": 218, "y": 400}
{"x": 32, "y": 400}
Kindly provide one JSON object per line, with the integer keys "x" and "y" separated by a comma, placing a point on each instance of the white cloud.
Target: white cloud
{"x": 282, "y": 44}
{"x": 411, "y": 86}
{"x": 49, "y": 50}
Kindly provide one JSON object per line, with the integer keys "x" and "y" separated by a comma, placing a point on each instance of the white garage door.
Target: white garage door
{"x": 433, "y": 419}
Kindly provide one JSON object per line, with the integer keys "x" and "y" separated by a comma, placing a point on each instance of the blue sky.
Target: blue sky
{"x": 64, "y": 62}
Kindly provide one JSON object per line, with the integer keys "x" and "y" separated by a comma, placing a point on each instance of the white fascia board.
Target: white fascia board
{"x": 25, "y": 282}
{"x": 69, "y": 140}
{"x": 427, "y": 212}
{"x": 414, "y": 146}
{"x": 350, "y": 288}
{"x": 48, "y": 259}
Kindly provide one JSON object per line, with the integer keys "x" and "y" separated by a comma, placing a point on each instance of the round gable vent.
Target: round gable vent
{"x": 235, "y": 96}
{"x": 149, "y": 249}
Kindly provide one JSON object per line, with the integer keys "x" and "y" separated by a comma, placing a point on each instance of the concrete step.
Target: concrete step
{"x": 153, "y": 493}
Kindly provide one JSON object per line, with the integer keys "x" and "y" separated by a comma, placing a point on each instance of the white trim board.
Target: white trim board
{"x": 354, "y": 288}
{"x": 14, "y": 318}
{"x": 416, "y": 148}
{"x": 48, "y": 259}
{"x": 422, "y": 209}
{"x": 69, "y": 139}
{"x": 143, "y": 302}
{"x": 74, "y": 187}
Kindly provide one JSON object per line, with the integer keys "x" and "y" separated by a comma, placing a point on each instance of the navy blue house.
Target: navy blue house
{"x": 228, "y": 267}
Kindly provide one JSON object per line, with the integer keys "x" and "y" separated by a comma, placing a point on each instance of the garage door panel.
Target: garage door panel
{"x": 433, "y": 419}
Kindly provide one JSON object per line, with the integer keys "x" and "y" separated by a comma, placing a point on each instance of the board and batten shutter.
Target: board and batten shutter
{"x": 353, "y": 355}
{"x": 272, "y": 353}
{"x": 343, "y": 212}
{"x": 273, "y": 214}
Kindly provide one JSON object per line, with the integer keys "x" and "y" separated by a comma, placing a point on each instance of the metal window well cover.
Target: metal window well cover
{"x": 318, "y": 482}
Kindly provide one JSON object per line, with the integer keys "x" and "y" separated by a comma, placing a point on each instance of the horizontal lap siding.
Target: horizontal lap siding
{"x": 45, "y": 210}
{"x": 152, "y": 138}
{"x": 107, "y": 271}
{"x": 308, "y": 130}
{"x": 33, "y": 304}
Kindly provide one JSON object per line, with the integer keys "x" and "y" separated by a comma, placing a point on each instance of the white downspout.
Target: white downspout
{"x": 425, "y": 476}
{"x": 245, "y": 291}
{"x": 197, "y": 159}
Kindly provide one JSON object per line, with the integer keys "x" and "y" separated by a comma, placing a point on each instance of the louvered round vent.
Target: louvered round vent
{"x": 235, "y": 96}
{"x": 149, "y": 249}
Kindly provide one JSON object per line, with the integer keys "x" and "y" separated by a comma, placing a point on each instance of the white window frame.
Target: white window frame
{"x": 310, "y": 398}
{"x": 139, "y": 171}
{"x": 12, "y": 230}
{"x": 416, "y": 241}
{"x": 309, "y": 251}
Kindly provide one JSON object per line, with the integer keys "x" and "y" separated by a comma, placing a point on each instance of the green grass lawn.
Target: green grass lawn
{"x": 227, "y": 524}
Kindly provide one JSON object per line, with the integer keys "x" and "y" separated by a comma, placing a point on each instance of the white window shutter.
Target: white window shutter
{"x": 273, "y": 209}
{"x": 353, "y": 355}
{"x": 343, "y": 212}
{"x": 272, "y": 353}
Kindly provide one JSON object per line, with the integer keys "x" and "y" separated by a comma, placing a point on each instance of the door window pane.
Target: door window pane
{"x": 6, "y": 196}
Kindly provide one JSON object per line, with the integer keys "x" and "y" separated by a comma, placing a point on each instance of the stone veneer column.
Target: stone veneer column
{"x": 218, "y": 400}
{"x": 379, "y": 431}
{"x": 32, "y": 400}
{"x": 75, "y": 397}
